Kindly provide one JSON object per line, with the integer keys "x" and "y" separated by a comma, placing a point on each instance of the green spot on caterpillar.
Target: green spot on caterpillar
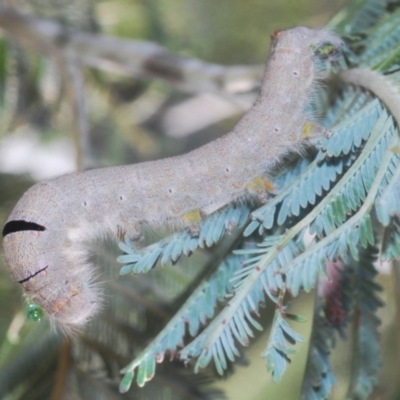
{"x": 325, "y": 50}
{"x": 34, "y": 312}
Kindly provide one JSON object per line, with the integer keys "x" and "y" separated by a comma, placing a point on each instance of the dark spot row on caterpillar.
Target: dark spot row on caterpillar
{"x": 21, "y": 225}
{"x": 33, "y": 275}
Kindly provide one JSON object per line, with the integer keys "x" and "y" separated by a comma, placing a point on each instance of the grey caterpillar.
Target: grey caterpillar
{"x": 44, "y": 237}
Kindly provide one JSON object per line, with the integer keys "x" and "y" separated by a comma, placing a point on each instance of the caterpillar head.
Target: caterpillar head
{"x": 48, "y": 275}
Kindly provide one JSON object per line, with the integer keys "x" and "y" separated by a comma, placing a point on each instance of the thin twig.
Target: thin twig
{"x": 75, "y": 90}
{"x": 63, "y": 367}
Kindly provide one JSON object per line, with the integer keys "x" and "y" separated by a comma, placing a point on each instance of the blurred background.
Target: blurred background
{"x": 119, "y": 102}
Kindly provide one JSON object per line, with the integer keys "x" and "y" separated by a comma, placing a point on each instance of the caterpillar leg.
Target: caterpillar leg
{"x": 314, "y": 130}
{"x": 260, "y": 187}
{"x": 192, "y": 220}
{"x": 133, "y": 230}
{"x": 311, "y": 133}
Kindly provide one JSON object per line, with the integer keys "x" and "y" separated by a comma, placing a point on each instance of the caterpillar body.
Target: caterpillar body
{"x": 45, "y": 235}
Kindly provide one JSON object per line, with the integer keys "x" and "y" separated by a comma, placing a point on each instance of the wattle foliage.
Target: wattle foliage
{"x": 335, "y": 194}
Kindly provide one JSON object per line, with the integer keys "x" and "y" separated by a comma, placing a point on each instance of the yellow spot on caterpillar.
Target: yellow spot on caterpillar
{"x": 308, "y": 128}
{"x": 313, "y": 130}
{"x": 260, "y": 184}
{"x": 192, "y": 217}
{"x": 268, "y": 185}
{"x": 259, "y": 188}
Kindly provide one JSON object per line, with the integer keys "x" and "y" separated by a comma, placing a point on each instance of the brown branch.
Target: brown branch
{"x": 139, "y": 59}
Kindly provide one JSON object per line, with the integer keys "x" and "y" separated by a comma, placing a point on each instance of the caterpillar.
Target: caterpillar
{"x": 45, "y": 237}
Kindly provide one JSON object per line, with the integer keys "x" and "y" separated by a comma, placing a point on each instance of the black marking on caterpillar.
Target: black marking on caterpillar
{"x": 21, "y": 225}
{"x": 33, "y": 275}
